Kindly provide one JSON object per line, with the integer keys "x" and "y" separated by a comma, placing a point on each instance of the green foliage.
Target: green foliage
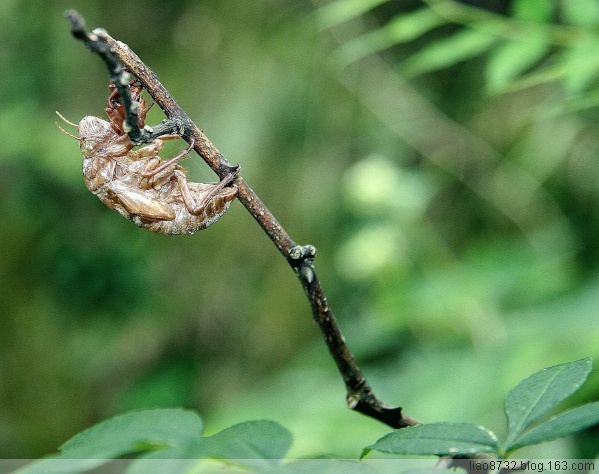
{"x": 164, "y": 434}
{"x": 524, "y": 49}
{"x": 540, "y": 392}
{"x": 175, "y": 434}
{"x": 134, "y": 432}
{"x": 512, "y": 58}
{"x": 400, "y": 29}
{"x": 337, "y": 12}
{"x": 525, "y": 404}
{"x": 534, "y": 10}
{"x": 443, "y": 439}
{"x": 443, "y": 53}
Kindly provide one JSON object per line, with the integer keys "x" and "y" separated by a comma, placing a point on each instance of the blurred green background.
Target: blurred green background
{"x": 442, "y": 158}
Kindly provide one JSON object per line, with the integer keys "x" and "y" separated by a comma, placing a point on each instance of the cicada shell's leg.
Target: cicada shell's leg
{"x": 115, "y": 110}
{"x": 143, "y": 112}
{"x": 197, "y": 208}
{"x": 147, "y": 151}
{"x": 148, "y": 173}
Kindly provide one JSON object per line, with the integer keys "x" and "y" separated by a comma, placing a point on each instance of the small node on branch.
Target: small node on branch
{"x": 301, "y": 252}
{"x": 302, "y": 257}
{"x": 352, "y": 400}
{"x": 99, "y": 33}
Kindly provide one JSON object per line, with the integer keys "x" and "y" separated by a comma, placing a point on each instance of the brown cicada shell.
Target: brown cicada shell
{"x": 138, "y": 184}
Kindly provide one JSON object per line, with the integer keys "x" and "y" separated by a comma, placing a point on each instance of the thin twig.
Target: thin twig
{"x": 360, "y": 396}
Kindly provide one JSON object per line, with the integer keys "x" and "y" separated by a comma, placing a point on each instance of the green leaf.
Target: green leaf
{"x": 539, "y": 393}
{"x": 301, "y": 466}
{"x": 60, "y": 466}
{"x": 446, "y": 52}
{"x": 438, "y": 439}
{"x": 409, "y": 26}
{"x": 581, "y": 12}
{"x": 579, "y": 65}
{"x": 561, "y": 425}
{"x": 262, "y": 439}
{"x": 259, "y": 439}
{"x": 252, "y": 445}
{"x": 513, "y": 58}
{"x": 134, "y": 432}
{"x": 330, "y": 466}
{"x": 171, "y": 462}
{"x": 340, "y": 11}
{"x": 534, "y": 10}
{"x": 121, "y": 435}
{"x": 400, "y": 29}
{"x": 167, "y": 434}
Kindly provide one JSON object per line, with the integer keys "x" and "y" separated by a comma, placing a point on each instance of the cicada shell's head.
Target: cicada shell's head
{"x": 95, "y": 135}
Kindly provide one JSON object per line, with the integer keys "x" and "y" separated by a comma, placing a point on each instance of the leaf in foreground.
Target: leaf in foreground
{"x": 542, "y": 391}
{"x": 260, "y": 439}
{"x": 252, "y": 445}
{"x": 134, "y": 432}
{"x": 121, "y": 435}
{"x": 560, "y": 426}
{"x": 437, "y": 439}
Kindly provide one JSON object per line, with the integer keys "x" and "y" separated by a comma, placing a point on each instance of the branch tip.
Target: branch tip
{"x": 77, "y": 22}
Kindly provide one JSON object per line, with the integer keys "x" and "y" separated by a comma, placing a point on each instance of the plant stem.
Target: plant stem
{"x": 116, "y": 54}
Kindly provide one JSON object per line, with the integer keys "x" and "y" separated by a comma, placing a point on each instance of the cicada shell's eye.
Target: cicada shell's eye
{"x": 89, "y": 146}
{"x": 93, "y": 132}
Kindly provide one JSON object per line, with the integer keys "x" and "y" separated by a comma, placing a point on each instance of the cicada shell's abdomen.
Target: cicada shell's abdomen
{"x": 217, "y": 206}
{"x": 186, "y": 223}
